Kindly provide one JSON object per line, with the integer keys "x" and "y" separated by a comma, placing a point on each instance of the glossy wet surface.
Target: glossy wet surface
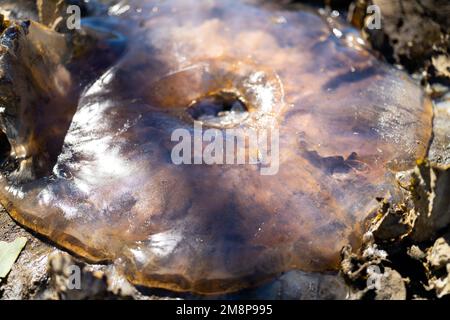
{"x": 90, "y": 162}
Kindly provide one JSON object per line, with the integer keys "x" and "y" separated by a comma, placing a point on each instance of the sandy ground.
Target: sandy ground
{"x": 392, "y": 265}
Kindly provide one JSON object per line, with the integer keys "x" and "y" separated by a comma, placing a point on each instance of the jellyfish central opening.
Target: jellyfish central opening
{"x": 219, "y": 109}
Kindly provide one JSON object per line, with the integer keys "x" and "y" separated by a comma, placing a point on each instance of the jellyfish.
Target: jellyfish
{"x": 133, "y": 141}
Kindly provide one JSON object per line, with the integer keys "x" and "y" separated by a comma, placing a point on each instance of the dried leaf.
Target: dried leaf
{"x": 9, "y": 253}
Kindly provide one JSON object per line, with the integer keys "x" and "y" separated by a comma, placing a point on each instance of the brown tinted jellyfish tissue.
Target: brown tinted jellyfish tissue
{"x": 87, "y": 139}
